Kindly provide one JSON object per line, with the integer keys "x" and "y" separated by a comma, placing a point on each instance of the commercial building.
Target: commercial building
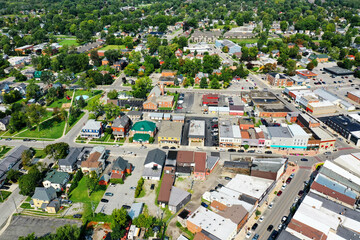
{"x": 304, "y": 120}
{"x": 269, "y": 168}
{"x": 167, "y": 182}
{"x": 210, "y": 99}
{"x": 196, "y": 132}
{"x": 278, "y": 79}
{"x": 338, "y": 71}
{"x": 178, "y": 199}
{"x": 200, "y": 165}
{"x": 204, "y": 220}
{"x": 170, "y": 133}
{"x": 320, "y": 108}
{"x": 326, "y": 139}
{"x": 306, "y": 73}
{"x": 354, "y": 95}
{"x": 233, "y": 47}
{"x": 246, "y": 123}
{"x": 268, "y": 105}
{"x": 229, "y": 134}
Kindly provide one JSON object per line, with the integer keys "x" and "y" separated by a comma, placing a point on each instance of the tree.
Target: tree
{"x": 94, "y": 56}
{"x": 32, "y": 91}
{"x": 17, "y": 121}
{"x": 283, "y": 26}
{"x": 225, "y": 49}
{"x": 214, "y": 83}
{"x": 57, "y": 150}
{"x": 12, "y": 96}
{"x": 26, "y": 157}
{"x": 246, "y": 147}
{"x": 153, "y": 43}
{"x": 131, "y": 69}
{"x": 119, "y": 216}
{"x": 141, "y": 87}
{"x": 91, "y": 182}
{"x": 203, "y": 83}
{"x": 35, "y": 113}
{"x": 13, "y": 175}
{"x": 310, "y": 66}
{"x": 144, "y": 221}
{"x": 47, "y": 77}
{"x": 290, "y": 67}
{"x": 29, "y": 181}
{"x": 257, "y": 213}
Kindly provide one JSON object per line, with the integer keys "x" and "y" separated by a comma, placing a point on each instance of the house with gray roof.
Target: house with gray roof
{"x": 178, "y": 199}
{"x": 56, "y": 179}
{"x": 42, "y": 197}
{"x": 92, "y": 129}
{"x": 68, "y": 164}
{"x": 4, "y": 123}
{"x": 120, "y": 126}
{"x": 153, "y": 164}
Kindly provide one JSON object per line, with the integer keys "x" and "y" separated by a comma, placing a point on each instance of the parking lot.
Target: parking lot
{"x": 25, "y": 225}
{"x": 209, "y": 141}
{"x": 187, "y": 104}
{"x": 243, "y": 84}
{"x": 123, "y": 195}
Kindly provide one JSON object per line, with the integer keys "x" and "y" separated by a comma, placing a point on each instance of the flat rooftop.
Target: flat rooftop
{"x": 197, "y": 129}
{"x": 338, "y": 70}
{"x": 280, "y": 132}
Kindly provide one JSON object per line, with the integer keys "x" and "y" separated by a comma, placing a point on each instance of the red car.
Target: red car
{"x": 68, "y": 98}
{"x": 215, "y": 126}
{"x": 288, "y": 180}
{"x": 179, "y": 108}
{"x": 279, "y": 193}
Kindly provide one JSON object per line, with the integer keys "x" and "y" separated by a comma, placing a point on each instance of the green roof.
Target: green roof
{"x": 37, "y": 74}
{"x": 56, "y": 177}
{"x": 139, "y": 137}
{"x": 314, "y": 56}
{"x": 144, "y": 126}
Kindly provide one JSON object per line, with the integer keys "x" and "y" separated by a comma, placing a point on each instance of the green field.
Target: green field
{"x": 109, "y": 47}
{"x": 80, "y": 194}
{"x": 5, "y": 195}
{"x": 244, "y": 40}
{"x": 39, "y": 153}
{"x": 59, "y": 103}
{"x": 49, "y": 129}
{"x": 87, "y": 92}
{"x": 69, "y": 42}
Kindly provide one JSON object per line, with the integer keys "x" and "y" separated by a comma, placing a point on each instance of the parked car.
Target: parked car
{"x": 204, "y": 204}
{"x": 304, "y": 160}
{"x": 241, "y": 150}
{"x": 261, "y": 218}
{"x": 254, "y": 226}
{"x": 292, "y": 175}
{"x": 77, "y": 216}
{"x": 301, "y": 192}
{"x": 152, "y": 187}
{"x": 283, "y": 186}
{"x": 271, "y": 205}
{"x": 126, "y": 206}
{"x": 327, "y": 153}
{"x": 288, "y": 180}
{"x": 270, "y": 227}
{"x": 279, "y": 193}
{"x": 231, "y": 150}
{"x": 248, "y": 234}
{"x": 220, "y": 185}
{"x": 268, "y": 152}
{"x": 109, "y": 194}
{"x": 251, "y": 151}
{"x": 215, "y": 126}
{"x": 165, "y": 147}
{"x": 228, "y": 178}
{"x": 256, "y": 237}
{"x": 132, "y": 188}
{"x": 273, "y": 235}
{"x": 104, "y": 200}
{"x": 284, "y": 218}
{"x": 280, "y": 226}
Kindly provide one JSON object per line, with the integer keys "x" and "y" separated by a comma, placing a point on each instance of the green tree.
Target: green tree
{"x": 141, "y": 87}
{"x": 113, "y": 94}
{"x": 33, "y": 91}
{"x": 283, "y": 26}
{"x": 26, "y": 157}
{"x": 214, "y": 83}
{"x": 203, "y": 83}
{"x": 13, "y": 175}
{"x": 57, "y": 150}
{"x": 225, "y": 49}
{"x": 310, "y": 66}
{"x": 29, "y": 181}
{"x": 92, "y": 181}
{"x": 35, "y": 113}
{"x": 94, "y": 56}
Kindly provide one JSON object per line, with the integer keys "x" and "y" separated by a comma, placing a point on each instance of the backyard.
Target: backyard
{"x": 69, "y": 42}
{"x": 110, "y": 47}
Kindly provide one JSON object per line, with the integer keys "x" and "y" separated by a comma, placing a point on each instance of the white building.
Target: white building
{"x": 229, "y": 134}
{"x": 196, "y": 132}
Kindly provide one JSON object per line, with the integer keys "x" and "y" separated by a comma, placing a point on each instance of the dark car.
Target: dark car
{"x": 228, "y": 178}
{"x": 152, "y": 187}
{"x": 304, "y": 160}
{"x": 231, "y": 150}
{"x": 251, "y": 151}
{"x": 254, "y": 226}
{"x": 165, "y": 147}
{"x": 288, "y": 180}
{"x": 220, "y": 185}
{"x": 8, "y": 139}
{"x": 241, "y": 150}
{"x": 270, "y": 227}
{"x": 350, "y": 80}
{"x": 256, "y": 237}
{"x": 26, "y": 140}
{"x": 109, "y": 194}
{"x": 77, "y": 216}
{"x": 104, "y": 200}
{"x": 279, "y": 193}
{"x": 126, "y": 206}
{"x": 172, "y": 147}
{"x": 204, "y": 204}
{"x": 268, "y": 152}
{"x": 301, "y": 192}
{"x": 273, "y": 235}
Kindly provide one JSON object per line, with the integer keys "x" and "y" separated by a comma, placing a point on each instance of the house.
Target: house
{"x": 95, "y": 161}
{"x": 92, "y": 129}
{"x": 120, "y": 168}
{"x": 200, "y": 165}
{"x": 169, "y": 73}
{"x": 56, "y": 179}
{"x": 179, "y": 53}
{"x": 68, "y": 164}
{"x": 42, "y": 199}
{"x": 4, "y": 123}
{"x": 135, "y": 115}
{"x": 170, "y": 134}
{"x": 104, "y": 180}
{"x": 21, "y": 88}
{"x": 142, "y": 69}
{"x": 104, "y": 61}
{"x": 278, "y": 79}
{"x": 319, "y": 57}
{"x": 120, "y": 126}
{"x": 144, "y": 127}
{"x": 178, "y": 199}
{"x": 199, "y": 76}
{"x": 167, "y": 182}
{"x": 154, "y": 164}
{"x": 135, "y": 210}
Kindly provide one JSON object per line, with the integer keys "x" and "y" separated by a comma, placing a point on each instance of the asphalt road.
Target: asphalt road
{"x": 7, "y": 208}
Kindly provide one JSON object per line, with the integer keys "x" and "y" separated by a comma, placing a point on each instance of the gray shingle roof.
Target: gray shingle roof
{"x": 121, "y": 121}
{"x": 120, "y": 164}
{"x": 45, "y": 194}
{"x": 71, "y": 158}
{"x": 157, "y": 156}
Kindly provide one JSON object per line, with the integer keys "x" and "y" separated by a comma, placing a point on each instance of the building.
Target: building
{"x": 306, "y": 73}
{"x": 92, "y": 129}
{"x": 135, "y": 210}
{"x": 200, "y": 166}
{"x": 4, "y": 123}
{"x": 199, "y": 76}
{"x": 95, "y": 161}
{"x": 268, "y": 105}
{"x": 178, "y": 199}
{"x": 299, "y": 80}
{"x": 319, "y": 57}
{"x": 210, "y": 99}
{"x": 278, "y": 79}
{"x": 354, "y": 95}
{"x": 204, "y": 220}
{"x": 121, "y": 168}
{"x": 135, "y": 115}
{"x": 170, "y": 133}
{"x": 232, "y": 47}
{"x": 199, "y": 48}
{"x": 326, "y": 139}
{"x": 229, "y": 134}
{"x": 167, "y": 182}
{"x": 246, "y": 123}
{"x": 237, "y": 110}
{"x": 290, "y": 137}
{"x": 45, "y": 199}
{"x": 269, "y": 168}
{"x": 11, "y": 161}
{"x": 68, "y": 164}
{"x": 204, "y": 36}
{"x": 305, "y": 120}
{"x": 237, "y": 214}
{"x": 57, "y": 180}
{"x": 120, "y": 126}
{"x": 338, "y": 71}
{"x": 196, "y": 133}
{"x": 321, "y": 108}
{"x": 292, "y": 117}
{"x": 144, "y": 127}
{"x": 154, "y": 164}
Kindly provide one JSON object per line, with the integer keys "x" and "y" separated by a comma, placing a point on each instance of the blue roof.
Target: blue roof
{"x": 135, "y": 210}
{"x": 335, "y": 186}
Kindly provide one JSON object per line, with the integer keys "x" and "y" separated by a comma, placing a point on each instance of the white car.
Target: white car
{"x": 261, "y": 219}
{"x": 248, "y": 234}
{"x": 283, "y": 186}
{"x": 271, "y": 205}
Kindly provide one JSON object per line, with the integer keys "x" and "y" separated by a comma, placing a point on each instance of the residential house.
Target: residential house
{"x": 4, "y": 123}
{"x": 120, "y": 168}
{"x": 120, "y": 126}
{"x": 170, "y": 133}
{"x": 42, "y": 199}
{"x": 21, "y": 88}
{"x": 157, "y": 99}
{"x": 278, "y": 79}
{"x": 199, "y": 76}
{"x": 179, "y": 53}
{"x": 154, "y": 164}
{"x": 68, "y": 164}
{"x": 95, "y": 161}
{"x": 104, "y": 61}
{"x": 57, "y": 180}
{"x": 92, "y": 129}
{"x": 178, "y": 199}
{"x": 135, "y": 115}
{"x": 142, "y": 69}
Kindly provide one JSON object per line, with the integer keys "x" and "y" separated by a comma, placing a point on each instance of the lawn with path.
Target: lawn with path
{"x": 51, "y": 129}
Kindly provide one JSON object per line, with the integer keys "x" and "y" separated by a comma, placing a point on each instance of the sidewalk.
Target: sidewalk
{"x": 263, "y": 207}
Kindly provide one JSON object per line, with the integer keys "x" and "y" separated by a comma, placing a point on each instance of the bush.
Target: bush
{"x": 117, "y": 181}
{"x": 139, "y": 187}
{"x": 78, "y": 176}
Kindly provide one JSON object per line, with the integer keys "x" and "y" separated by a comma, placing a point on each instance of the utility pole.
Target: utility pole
{"x": 15, "y": 205}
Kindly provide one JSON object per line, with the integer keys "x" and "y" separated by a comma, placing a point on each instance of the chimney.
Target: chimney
{"x": 162, "y": 89}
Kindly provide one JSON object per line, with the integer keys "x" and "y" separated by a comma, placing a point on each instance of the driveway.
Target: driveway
{"x": 123, "y": 195}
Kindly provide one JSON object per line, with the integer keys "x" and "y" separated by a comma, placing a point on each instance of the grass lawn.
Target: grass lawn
{"x": 245, "y": 40}
{"x": 39, "y": 153}
{"x": 59, "y": 103}
{"x": 80, "y": 194}
{"x": 88, "y": 93}
{"x": 26, "y": 206}
{"x": 92, "y": 100}
{"x": 109, "y": 47}
{"x": 49, "y": 129}
{"x": 74, "y": 123}
{"x": 69, "y": 42}
{"x": 4, "y": 151}
{"x": 5, "y": 195}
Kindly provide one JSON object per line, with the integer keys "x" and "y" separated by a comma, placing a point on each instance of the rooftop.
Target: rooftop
{"x": 280, "y": 132}
{"x": 92, "y": 124}
{"x": 296, "y": 130}
{"x": 322, "y": 134}
{"x": 177, "y": 195}
{"x": 170, "y": 129}
{"x": 197, "y": 129}
{"x": 165, "y": 189}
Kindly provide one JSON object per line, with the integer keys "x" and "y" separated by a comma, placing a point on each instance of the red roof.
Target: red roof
{"x": 185, "y": 157}
{"x": 200, "y": 162}
{"x": 165, "y": 189}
